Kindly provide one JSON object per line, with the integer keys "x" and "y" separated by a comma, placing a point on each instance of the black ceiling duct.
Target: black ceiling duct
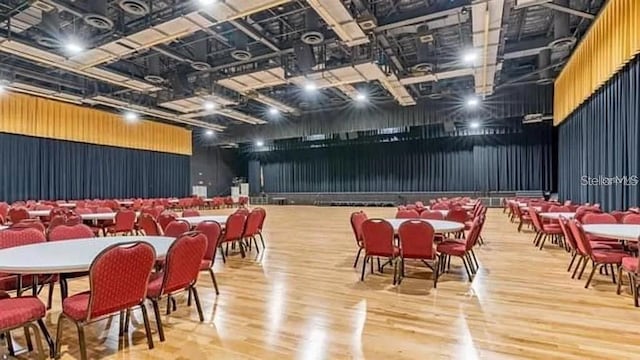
{"x": 200, "y": 50}
{"x": 425, "y": 51}
{"x": 562, "y": 37}
{"x": 305, "y": 58}
{"x": 545, "y": 71}
{"x": 97, "y": 16}
{"x": 312, "y": 35}
{"x": 241, "y": 44}
{"x": 50, "y": 24}
{"x": 180, "y": 83}
{"x": 134, "y": 7}
{"x": 154, "y": 70}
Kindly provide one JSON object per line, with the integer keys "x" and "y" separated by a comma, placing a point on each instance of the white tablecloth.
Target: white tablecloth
{"x": 557, "y": 215}
{"x": 68, "y": 256}
{"x": 614, "y": 231}
{"x": 440, "y": 226}
{"x": 195, "y": 220}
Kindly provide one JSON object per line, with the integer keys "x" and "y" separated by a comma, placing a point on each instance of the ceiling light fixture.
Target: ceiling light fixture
{"x": 74, "y": 47}
{"x": 209, "y": 133}
{"x": 206, "y": 2}
{"x": 473, "y": 101}
{"x": 130, "y": 116}
{"x": 259, "y": 143}
{"x": 208, "y": 105}
{"x": 361, "y": 97}
{"x": 310, "y": 87}
{"x": 273, "y": 111}
{"x": 474, "y": 125}
{"x": 470, "y": 56}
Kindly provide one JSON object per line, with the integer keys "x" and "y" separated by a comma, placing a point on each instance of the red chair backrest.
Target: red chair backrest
{"x": 4, "y": 209}
{"x": 103, "y": 210}
{"x": 83, "y": 211}
{"x": 407, "y": 214}
{"x": 457, "y": 215}
{"x": 125, "y": 220}
{"x": 176, "y": 228}
{"x": 118, "y": 277}
{"x": 57, "y": 221}
{"x": 66, "y": 232}
{"x": 17, "y": 214}
{"x": 377, "y": 237}
{"x": 183, "y": 260}
{"x": 13, "y": 237}
{"x": 416, "y": 239}
{"x": 148, "y": 225}
{"x": 619, "y": 215}
{"x": 568, "y": 234}
{"x": 190, "y": 212}
{"x": 234, "y": 227}
{"x": 440, "y": 206}
{"x": 30, "y": 223}
{"x": 212, "y": 230}
{"x": 603, "y": 218}
{"x": 433, "y": 215}
{"x": 357, "y": 219}
{"x": 165, "y": 218}
{"x": 474, "y": 232}
{"x": 263, "y": 214}
{"x": 252, "y": 227}
{"x": 584, "y": 246}
{"x": 631, "y": 219}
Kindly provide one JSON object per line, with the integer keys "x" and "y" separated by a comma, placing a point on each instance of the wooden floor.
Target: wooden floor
{"x": 302, "y": 299}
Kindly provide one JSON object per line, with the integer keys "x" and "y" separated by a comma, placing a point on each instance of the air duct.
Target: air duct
{"x": 241, "y": 44}
{"x": 134, "y": 7}
{"x": 180, "y": 83}
{"x": 153, "y": 70}
{"x": 51, "y": 25}
{"x": 312, "y": 35}
{"x": 545, "y": 72}
{"x": 562, "y": 37}
{"x": 97, "y": 16}
{"x": 200, "y": 53}
{"x": 425, "y": 51}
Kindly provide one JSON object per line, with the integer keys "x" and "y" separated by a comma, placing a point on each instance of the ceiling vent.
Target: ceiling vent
{"x": 425, "y": 51}
{"x": 312, "y": 35}
{"x": 200, "y": 50}
{"x": 563, "y": 38}
{"x": 134, "y": 7}
{"x": 241, "y": 44}
{"x": 200, "y": 66}
{"x": 153, "y": 71}
{"x": 98, "y": 16}
{"x": 367, "y": 23}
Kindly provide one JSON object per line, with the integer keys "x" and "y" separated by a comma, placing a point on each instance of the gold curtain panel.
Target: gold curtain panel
{"x": 611, "y": 42}
{"x": 34, "y": 116}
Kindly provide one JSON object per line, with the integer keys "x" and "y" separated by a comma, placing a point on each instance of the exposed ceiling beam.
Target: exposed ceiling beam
{"x": 569, "y": 10}
{"x": 487, "y": 23}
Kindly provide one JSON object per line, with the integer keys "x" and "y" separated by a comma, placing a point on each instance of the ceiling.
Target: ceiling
{"x": 224, "y": 64}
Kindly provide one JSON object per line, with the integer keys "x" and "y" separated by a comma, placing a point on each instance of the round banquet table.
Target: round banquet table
{"x": 195, "y": 220}
{"x": 557, "y": 215}
{"x": 102, "y": 216}
{"x": 57, "y": 257}
{"x": 39, "y": 213}
{"x": 67, "y": 205}
{"x": 125, "y": 203}
{"x": 628, "y": 232}
{"x": 440, "y": 226}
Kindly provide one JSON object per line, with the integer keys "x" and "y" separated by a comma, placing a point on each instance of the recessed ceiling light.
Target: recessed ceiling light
{"x": 470, "y": 56}
{"x": 274, "y": 111}
{"x": 130, "y": 116}
{"x": 259, "y": 143}
{"x": 309, "y": 87}
{"x": 209, "y": 132}
{"x": 361, "y": 97}
{"x": 473, "y": 101}
{"x": 74, "y": 47}
{"x": 206, "y": 2}
{"x": 474, "y": 125}
{"x": 208, "y": 105}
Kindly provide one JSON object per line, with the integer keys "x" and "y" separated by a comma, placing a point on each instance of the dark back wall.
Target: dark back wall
{"x": 38, "y": 168}
{"x": 601, "y": 141}
{"x": 215, "y": 168}
{"x": 497, "y": 162}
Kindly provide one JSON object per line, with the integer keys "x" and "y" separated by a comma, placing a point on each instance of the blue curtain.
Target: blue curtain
{"x": 37, "y": 168}
{"x": 599, "y": 144}
{"x": 511, "y": 162}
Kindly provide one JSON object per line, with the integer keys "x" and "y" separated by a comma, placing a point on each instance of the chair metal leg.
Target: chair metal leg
{"x": 619, "y": 280}
{"x": 364, "y": 267}
{"x": 593, "y": 271}
{"x": 213, "y": 279}
{"x": 573, "y": 258}
{"x": 121, "y": 323}
{"x": 147, "y": 328}
{"x": 50, "y": 295}
{"x": 584, "y": 265}
{"x": 188, "y": 298}
{"x": 127, "y": 318}
{"x": 224, "y": 258}
{"x": 81, "y": 340}
{"x": 466, "y": 267}
{"x": 36, "y": 333}
{"x": 475, "y": 260}
{"x": 27, "y": 338}
{"x": 47, "y": 337}
{"x": 197, "y": 301}
{"x": 262, "y": 240}
{"x": 544, "y": 239}
{"x": 613, "y": 273}
{"x": 355, "y": 263}
{"x": 575, "y": 271}
{"x": 58, "y": 336}
{"x": 156, "y": 313}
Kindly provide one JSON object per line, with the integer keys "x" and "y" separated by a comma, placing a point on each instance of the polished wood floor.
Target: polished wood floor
{"x": 302, "y": 299}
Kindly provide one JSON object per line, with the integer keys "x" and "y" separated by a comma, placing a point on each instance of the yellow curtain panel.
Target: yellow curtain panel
{"x": 34, "y": 116}
{"x": 611, "y": 42}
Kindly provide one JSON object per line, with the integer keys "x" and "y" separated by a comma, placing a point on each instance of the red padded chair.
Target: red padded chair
{"x": 463, "y": 249}
{"x": 252, "y": 228}
{"x": 176, "y": 228}
{"x": 440, "y": 206}
{"x": 148, "y": 225}
{"x": 263, "y": 217}
{"x": 433, "y": 215}
{"x": 63, "y": 233}
{"x": 630, "y": 265}
{"x": 523, "y": 217}
{"x": 190, "y": 213}
{"x": 17, "y": 214}
{"x": 4, "y": 210}
{"x": 212, "y": 230}
{"x": 233, "y": 233}
{"x": 165, "y": 218}
{"x": 125, "y": 222}
{"x": 30, "y": 223}
{"x": 416, "y": 242}
{"x": 544, "y": 230}
{"x": 631, "y": 219}
{"x": 602, "y": 218}
{"x": 407, "y": 214}
{"x": 180, "y": 273}
{"x": 118, "y": 279}
{"x": 377, "y": 239}
{"x": 556, "y": 208}
{"x": 23, "y": 312}
{"x": 56, "y": 221}
{"x": 598, "y": 258}
{"x": 357, "y": 219}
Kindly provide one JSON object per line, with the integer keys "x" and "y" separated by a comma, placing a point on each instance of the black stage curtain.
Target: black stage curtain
{"x": 510, "y": 162}
{"x": 38, "y": 168}
{"x": 599, "y": 141}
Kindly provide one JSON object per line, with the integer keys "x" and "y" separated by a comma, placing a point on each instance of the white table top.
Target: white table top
{"x": 102, "y": 216}
{"x": 440, "y": 226}
{"x": 536, "y": 208}
{"x": 67, "y": 205}
{"x": 195, "y": 220}
{"x": 2, "y": 227}
{"x": 557, "y": 215}
{"x": 173, "y": 201}
{"x": 468, "y": 207}
{"x": 614, "y": 231}
{"x": 68, "y": 256}
{"x": 39, "y": 213}
{"x": 126, "y": 202}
